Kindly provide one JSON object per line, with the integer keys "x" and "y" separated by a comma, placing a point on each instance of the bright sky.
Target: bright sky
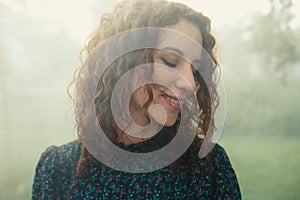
{"x": 77, "y": 18}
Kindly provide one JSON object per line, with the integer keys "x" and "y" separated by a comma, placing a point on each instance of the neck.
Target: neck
{"x": 131, "y": 135}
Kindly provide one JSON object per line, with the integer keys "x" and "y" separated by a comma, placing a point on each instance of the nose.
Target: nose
{"x": 185, "y": 80}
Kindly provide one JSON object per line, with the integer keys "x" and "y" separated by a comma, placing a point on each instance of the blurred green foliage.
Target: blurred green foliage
{"x": 272, "y": 40}
{"x": 262, "y": 106}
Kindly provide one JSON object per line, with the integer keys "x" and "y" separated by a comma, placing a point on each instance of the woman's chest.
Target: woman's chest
{"x": 161, "y": 184}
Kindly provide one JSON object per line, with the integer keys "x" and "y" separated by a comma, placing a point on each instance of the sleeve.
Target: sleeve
{"x": 45, "y": 179}
{"x": 226, "y": 182}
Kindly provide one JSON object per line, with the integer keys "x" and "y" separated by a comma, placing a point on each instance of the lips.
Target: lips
{"x": 174, "y": 102}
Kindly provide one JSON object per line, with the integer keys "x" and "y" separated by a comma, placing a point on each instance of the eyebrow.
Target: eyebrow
{"x": 174, "y": 50}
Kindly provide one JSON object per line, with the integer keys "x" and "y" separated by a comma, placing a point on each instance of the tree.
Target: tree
{"x": 273, "y": 40}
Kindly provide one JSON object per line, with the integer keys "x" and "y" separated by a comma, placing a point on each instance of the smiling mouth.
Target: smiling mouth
{"x": 174, "y": 102}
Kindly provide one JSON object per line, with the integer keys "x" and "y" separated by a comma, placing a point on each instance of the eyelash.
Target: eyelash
{"x": 168, "y": 63}
{"x": 174, "y": 65}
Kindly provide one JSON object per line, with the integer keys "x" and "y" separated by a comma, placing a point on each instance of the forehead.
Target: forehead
{"x": 185, "y": 37}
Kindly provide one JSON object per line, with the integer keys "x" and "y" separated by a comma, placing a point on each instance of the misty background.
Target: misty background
{"x": 258, "y": 51}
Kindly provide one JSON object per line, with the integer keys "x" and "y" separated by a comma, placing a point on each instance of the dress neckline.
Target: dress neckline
{"x": 156, "y": 142}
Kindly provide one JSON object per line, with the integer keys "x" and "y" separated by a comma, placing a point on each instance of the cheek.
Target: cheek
{"x": 163, "y": 75}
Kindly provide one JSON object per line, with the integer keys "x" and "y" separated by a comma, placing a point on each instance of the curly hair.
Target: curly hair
{"x": 125, "y": 16}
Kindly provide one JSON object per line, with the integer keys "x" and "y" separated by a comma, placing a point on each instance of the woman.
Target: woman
{"x": 143, "y": 74}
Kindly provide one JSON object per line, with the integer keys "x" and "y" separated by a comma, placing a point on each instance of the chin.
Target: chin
{"x": 163, "y": 116}
{"x": 170, "y": 123}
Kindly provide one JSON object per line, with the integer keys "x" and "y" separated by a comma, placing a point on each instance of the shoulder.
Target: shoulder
{"x": 215, "y": 155}
{"x": 220, "y": 157}
{"x": 226, "y": 182}
{"x": 67, "y": 153}
{"x": 56, "y": 165}
{"x": 216, "y": 160}
{"x": 216, "y": 174}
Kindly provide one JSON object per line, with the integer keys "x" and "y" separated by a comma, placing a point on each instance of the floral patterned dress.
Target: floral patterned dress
{"x": 212, "y": 178}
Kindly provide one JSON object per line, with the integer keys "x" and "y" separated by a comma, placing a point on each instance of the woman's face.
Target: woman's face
{"x": 173, "y": 74}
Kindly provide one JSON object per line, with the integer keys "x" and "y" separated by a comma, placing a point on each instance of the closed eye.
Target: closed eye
{"x": 168, "y": 63}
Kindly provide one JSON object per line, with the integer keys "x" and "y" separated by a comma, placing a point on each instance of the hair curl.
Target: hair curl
{"x": 128, "y": 15}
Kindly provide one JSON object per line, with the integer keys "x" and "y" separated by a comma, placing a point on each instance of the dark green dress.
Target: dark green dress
{"x": 211, "y": 178}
